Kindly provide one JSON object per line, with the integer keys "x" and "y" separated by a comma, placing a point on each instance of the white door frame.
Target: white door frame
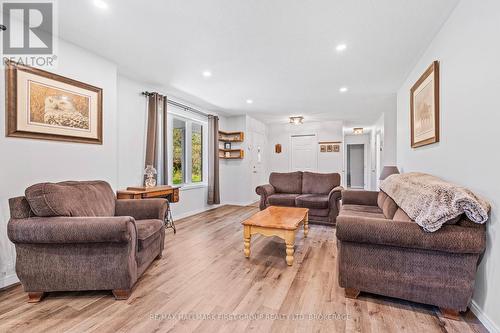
{"x": 290, "y": 145}
{"x": 365, "y": 162}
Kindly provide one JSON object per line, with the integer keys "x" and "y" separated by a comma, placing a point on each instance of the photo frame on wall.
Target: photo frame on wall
{"x": 424, "y": 108}
{"x": 322, "y": 148}
{"x": 329, "y": 148}
{"x": 44, "y": 105}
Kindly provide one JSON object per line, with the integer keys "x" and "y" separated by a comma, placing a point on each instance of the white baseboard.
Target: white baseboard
{"x": 194, "y": 212}
{"x": 234, "y": 203}
{"x": 484, "y": 319}
{"x": 8, "y": 280}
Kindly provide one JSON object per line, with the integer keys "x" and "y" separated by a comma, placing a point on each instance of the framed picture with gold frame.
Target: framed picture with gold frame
{"x": 424, "y": 108}
{"x": 44, "y": 105}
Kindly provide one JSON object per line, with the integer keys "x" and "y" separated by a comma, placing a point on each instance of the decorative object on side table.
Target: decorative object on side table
{"x": 387, "y": 171}
{"x": 150, "y": 176}
{"x": 424, "y": 108}
{"x": 43, "y": 105}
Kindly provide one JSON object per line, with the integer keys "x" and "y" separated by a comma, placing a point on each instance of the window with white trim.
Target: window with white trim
{"x": 187, "y": 148}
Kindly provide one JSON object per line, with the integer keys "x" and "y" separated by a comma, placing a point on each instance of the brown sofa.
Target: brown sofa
{"x": 382, "y": 251}
{"x": 320, "y": 192}
{"x": 76, "y": 236}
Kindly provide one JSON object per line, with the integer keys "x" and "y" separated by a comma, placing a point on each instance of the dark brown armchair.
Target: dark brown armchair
{"x": 76, "y": 236}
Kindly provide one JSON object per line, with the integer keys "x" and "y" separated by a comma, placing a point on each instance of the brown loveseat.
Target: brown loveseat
{"x": 382, "y": 251}
{"x": 320, "y": 192}
{"x": 77, "y": 236}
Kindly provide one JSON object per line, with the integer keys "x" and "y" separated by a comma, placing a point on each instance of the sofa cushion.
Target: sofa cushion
{"x": 318, "y": 212}
{"x": 282, "y": 199}
{"x": 320, "y": 183}
{"x": 389, "y": 208}
{"x": 361, "y": 210}
{"x": 289, "y": 182}
{"x": 400, "y": 215}
{"x": 314, "y": 201}
{"x": 381, "y": 199}
{"x": 71, "y": 198}
{"x": 147, "y": 232}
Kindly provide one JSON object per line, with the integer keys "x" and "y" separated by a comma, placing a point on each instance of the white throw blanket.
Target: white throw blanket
{"x": 431, "y": 202}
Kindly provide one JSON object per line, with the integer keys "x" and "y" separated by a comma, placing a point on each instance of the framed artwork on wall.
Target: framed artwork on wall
{"x": 336, "y": 148}
{"x": 322, "y": 148}
{"x": 424, "y": 108}
{"x": 44, "y": 105}
{"x": 329, "y": 148}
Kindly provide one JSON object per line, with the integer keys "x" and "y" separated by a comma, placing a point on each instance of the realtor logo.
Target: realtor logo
{"x": 29, "y": 31}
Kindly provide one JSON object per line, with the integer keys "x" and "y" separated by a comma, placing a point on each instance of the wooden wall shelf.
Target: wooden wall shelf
{"x": 231, "y": 136}
{"x": 234, "y": 154}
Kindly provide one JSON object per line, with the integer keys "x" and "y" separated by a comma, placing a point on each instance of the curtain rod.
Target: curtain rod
{"x": 180, "y": 105}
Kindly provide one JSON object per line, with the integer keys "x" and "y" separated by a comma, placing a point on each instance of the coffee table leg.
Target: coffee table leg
{"x": 246, "y": 240}
{"x": 306, "y": 225}
{"x": 290, "y": 242}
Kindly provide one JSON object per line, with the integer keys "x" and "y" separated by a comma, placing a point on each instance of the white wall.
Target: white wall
{"x": 468, "y": 50}
{"x": 26, "y": 161}
{"x": 324, "y": 131}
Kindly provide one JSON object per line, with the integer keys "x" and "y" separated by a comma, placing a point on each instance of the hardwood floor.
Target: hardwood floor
{"x": 204, "y": 274}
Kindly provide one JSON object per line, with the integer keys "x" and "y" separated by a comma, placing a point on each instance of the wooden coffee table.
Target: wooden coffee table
{"x": 276, "y": 221}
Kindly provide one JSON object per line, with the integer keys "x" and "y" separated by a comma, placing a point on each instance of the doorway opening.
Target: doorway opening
{"x": 356, "y": 166}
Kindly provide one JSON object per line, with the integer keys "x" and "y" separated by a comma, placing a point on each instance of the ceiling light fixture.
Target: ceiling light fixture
{"x": 341, "y": 47}
{"x": 297, "y": 120}
{"x": 101, "y": 4}
{"x": 249, "y": 101}
{"x": 207, "y": 73}
{"x": 343, "y": 89}
{"x": 357, "y": 130}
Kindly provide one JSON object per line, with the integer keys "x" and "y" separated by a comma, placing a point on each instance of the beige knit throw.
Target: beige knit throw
{"x": 431, "y": 202}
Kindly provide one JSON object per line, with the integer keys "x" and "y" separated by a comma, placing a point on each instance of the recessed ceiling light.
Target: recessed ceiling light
{"x": 343, "y": 89}
{"x": 101, "y": 4}
{"x": 249, "y": 101}
{"x": 207, "y": 73}
{"x": 341, "y": 47}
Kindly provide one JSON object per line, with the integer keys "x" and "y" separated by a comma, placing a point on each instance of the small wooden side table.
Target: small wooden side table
{"x": 162, "y": 191}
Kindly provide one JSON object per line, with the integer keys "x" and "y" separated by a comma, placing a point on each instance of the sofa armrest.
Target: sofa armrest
{"x": 366, "y": 198}
{"x": 58, "y": 230}
{"x": 142, "y": 209}
{"x": 335, "y": 193}
{"x": 265, "y": 190}
{"x": 450, "y": 238}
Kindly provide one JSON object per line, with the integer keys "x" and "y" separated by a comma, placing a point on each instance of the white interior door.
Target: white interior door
{"x": 304, "y": 153}
{"x": 257, "y": 159}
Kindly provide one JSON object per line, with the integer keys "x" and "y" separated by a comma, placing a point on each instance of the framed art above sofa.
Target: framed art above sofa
{"x": 424, "y": 108}
{"x": 44, "y": 105}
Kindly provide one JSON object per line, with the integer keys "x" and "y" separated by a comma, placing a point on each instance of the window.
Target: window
{"x": 187, "y": 150}
{"x": 179, "y": 152}
{"x": 196, "y": 153}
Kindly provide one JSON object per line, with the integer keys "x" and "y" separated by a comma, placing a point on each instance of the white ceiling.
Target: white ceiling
{"x": 279, "y": 53}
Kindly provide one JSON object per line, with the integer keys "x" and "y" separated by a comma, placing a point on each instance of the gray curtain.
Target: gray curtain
{"x": 157, "y": 104}
{"x": 213, "y": 160}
